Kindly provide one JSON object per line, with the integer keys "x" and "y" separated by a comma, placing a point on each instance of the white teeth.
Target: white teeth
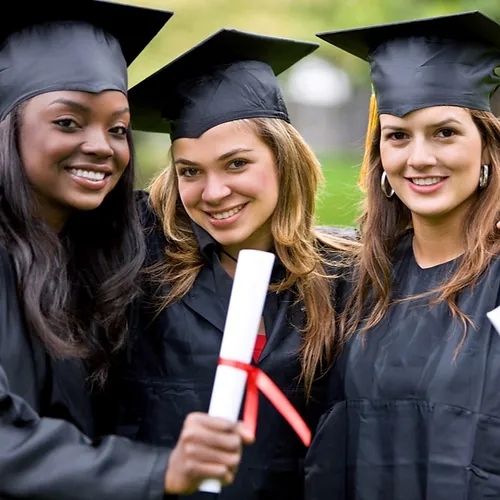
{"x": 426, "y": 181}
{"x": 88, "y": 174}
{"x": 225, "y": 215}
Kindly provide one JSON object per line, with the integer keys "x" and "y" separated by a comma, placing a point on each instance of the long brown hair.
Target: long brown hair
{"x": 384, "y": 221}
{"x": 300, "y": 248}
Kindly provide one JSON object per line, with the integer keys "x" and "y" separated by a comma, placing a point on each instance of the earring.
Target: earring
{"x": 484, "y": 176}
{"x": 383, "y": 183}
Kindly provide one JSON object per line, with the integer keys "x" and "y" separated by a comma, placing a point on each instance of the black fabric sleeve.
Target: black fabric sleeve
{"x": 44, "y": 458}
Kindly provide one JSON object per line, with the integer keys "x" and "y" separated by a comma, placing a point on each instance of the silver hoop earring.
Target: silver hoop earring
{"x": 383, "y": 183}
{"x": 484, "y": 176}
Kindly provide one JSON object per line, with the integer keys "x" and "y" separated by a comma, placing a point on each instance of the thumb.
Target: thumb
{"x": 246, "y": 434}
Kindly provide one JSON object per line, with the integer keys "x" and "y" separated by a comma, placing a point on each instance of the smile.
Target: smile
{"x": 226, "y": 215}
{"x": 426, "y": 181}
{"x": 88, "y": 174}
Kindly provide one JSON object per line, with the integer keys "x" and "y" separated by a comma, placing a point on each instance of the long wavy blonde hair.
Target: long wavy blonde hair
{"x": 385, "y": 221}
{"x": 310, "y": 257}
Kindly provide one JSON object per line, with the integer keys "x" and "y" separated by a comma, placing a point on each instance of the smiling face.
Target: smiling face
{"x": 74, "y": 149}
{"x": 433, "y": 158}
{"x": 228, "y": 184}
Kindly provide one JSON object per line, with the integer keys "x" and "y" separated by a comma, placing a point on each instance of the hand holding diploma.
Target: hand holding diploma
{"x": 251, "y": 282}
{"x": 207, "y": 447}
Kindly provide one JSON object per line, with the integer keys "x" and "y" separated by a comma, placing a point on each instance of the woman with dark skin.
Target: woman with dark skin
{"x": 70, "y": 248}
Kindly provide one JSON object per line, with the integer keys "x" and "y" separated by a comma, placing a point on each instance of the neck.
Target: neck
{"x": 438, "y": 240}
{"x": 53, "y": 216}
{"x": 260, "y": 240}
{"x": 228, "y": 264}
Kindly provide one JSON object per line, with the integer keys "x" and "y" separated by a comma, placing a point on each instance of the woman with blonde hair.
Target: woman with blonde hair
{"x": 240, "y": 177}
{"x": 414, "y": 402}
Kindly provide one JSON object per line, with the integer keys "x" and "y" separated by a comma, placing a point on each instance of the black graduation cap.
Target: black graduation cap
{"x": 229, "y": 76}
{"x": 448, "y": 61}
{"x": 74, "y": 45}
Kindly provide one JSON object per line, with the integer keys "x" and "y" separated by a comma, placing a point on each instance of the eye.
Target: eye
{"x": 446, "y": 133}
{"x": 188, "y": 172}
{"x": 236, "y": 164}
{"x": 67, "y": 123}
{"x": 396, "y": 136}
{"x": 119, "y": 130}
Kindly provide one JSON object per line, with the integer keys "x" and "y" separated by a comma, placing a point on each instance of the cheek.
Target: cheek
{"x": 31, "y": 148}
{"x": 189, "y": 193}
{"x": 393, "y": 159}
{"x": 470, "y": 159}
{"x": 122, "y": 154}
{"x": 464, "y": 163}
{"x": 42, "y": 148}
{"x": 466, "y": 181}
{"x": 261, "y": 183}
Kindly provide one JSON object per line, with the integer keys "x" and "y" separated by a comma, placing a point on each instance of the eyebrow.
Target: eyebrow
{"x": 442, "y": 123}
{"x": 85, "y": 109}
{"x": 233, "y": 152}
{"x": 225, "y": 156}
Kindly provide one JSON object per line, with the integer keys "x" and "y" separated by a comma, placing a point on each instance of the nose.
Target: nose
{"x": 421, "y": 154}
{"x": 97, "y": 144}
{"x": 215, "y": 189}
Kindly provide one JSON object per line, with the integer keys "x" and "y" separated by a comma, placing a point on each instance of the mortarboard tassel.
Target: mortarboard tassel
{"x": 372, "y": 124}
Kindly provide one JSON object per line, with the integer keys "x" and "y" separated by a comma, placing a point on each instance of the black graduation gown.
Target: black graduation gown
{"x": 43, "y": 456}
{"x": 407, "y": 420}
{"x": 171, "y": 368}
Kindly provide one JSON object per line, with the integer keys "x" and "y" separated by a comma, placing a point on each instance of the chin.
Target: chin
{"x": 228, "y": 240}
{"x": 225, "y": 242}
{"x": 431, "y": 214}
{"x": 85, "y": 205}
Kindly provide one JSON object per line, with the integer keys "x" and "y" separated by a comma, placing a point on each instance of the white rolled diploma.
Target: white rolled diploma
{"x": 248, "y": 294}
{"x": 494, "y": 317}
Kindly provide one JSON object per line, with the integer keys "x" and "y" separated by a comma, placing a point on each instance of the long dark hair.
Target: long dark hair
{"x": 74, "y": 287}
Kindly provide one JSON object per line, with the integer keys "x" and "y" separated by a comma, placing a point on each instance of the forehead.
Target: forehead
{"x": 428, "y": 116}
{"x": 99, "y": 101}
{"x": 218, "y": 140}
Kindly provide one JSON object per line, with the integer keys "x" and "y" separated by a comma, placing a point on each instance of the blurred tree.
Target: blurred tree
{"x": 196, "y": 19}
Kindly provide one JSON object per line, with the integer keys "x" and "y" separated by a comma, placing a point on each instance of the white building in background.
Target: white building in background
{"x": 316, "y": 82}
{"x": 325, "y": 107}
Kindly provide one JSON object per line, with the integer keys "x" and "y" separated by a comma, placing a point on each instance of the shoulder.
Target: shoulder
{"x": 147, "y": 215}
{"x": 338, "y": 247}
{"x": 9, "y": 296}
{"x": 153, "y": 232}
{"x": 348, "y": 233}
{"x": 6, "y": 267}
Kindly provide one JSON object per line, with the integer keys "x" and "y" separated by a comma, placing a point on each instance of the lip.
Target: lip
{"x": 426, "y": 189}
{"x": 222, "y": 223}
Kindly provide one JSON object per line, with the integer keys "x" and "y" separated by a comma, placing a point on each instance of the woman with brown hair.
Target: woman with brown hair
{"x": 240, "y": 177}
{"x": 414, "y": 401}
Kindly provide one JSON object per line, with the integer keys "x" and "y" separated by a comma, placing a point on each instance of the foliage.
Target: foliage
{"x": 194, "y": 20}
{"x": 340, "y": 201}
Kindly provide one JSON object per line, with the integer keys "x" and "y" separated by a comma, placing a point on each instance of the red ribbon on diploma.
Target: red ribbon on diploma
{"x": 258, "y": 380}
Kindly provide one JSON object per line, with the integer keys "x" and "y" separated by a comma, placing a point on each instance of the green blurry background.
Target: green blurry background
{"x": 194, "y": 20}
